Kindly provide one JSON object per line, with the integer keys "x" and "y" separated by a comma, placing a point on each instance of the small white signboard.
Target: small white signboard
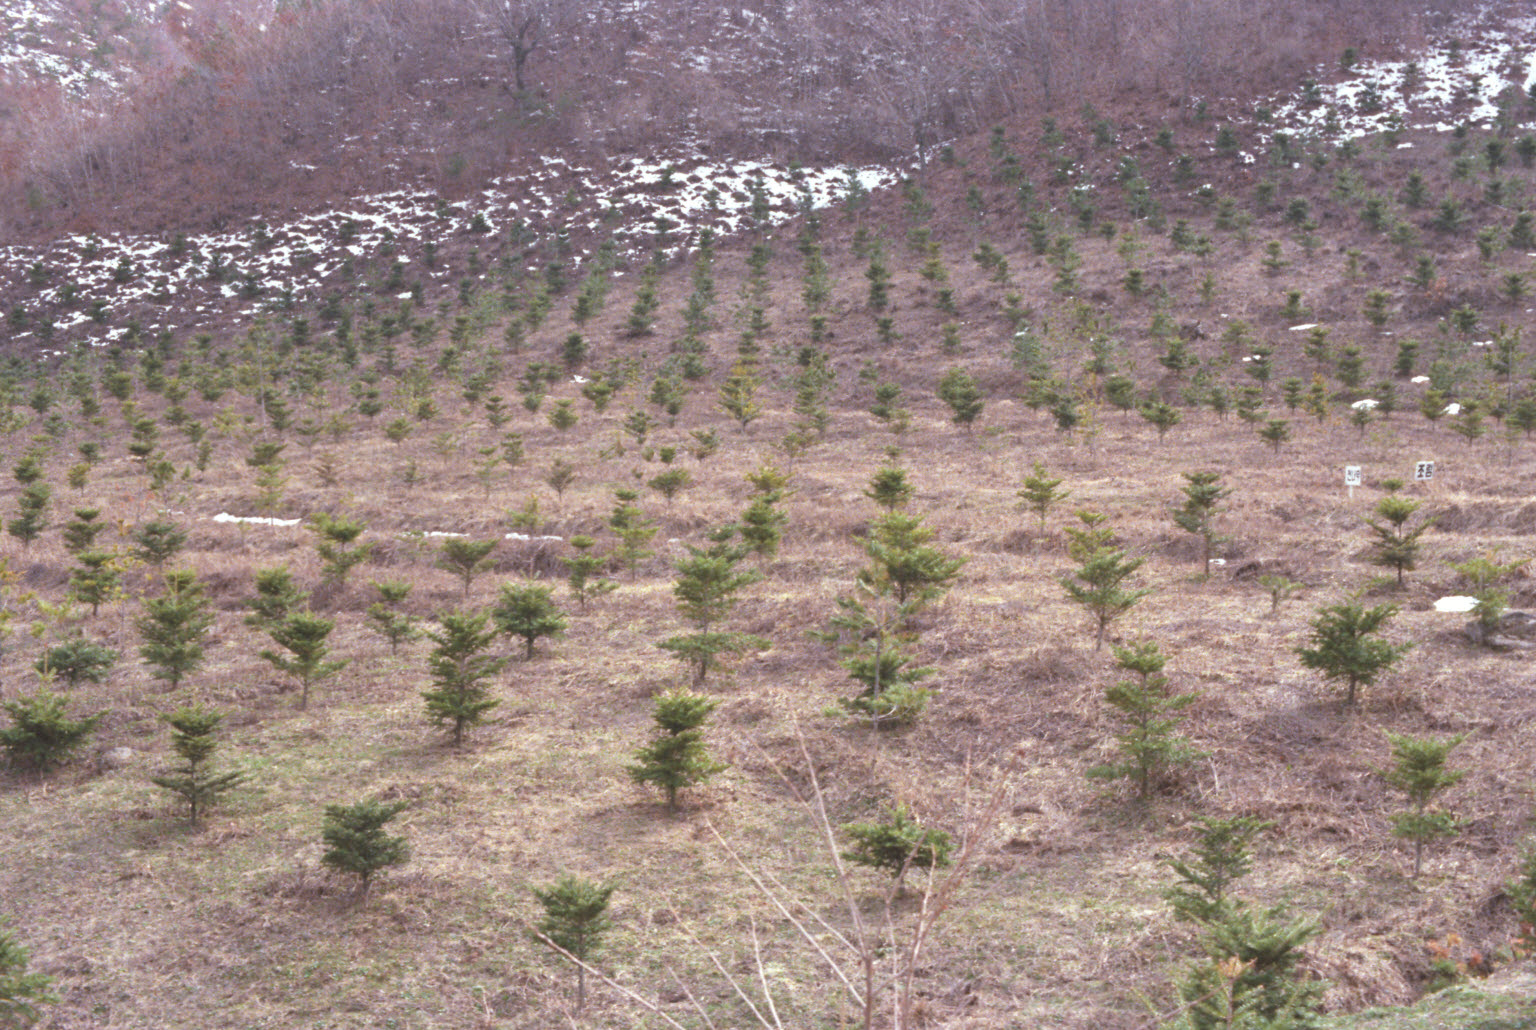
{"x": 1424, "y": 471}
{"x": 1351, "y": 479}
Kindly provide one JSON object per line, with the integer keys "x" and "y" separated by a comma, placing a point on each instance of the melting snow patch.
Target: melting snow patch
{"x": 254, "y": 520}
{"x": 1453, "y": 408}
{"x": 526, "y": 538}
{"x": 1459, "y": 604}
{"x": 1419, "y": 379}
{"x": 1366, "y": 405}
{"x": 1303, "y": 328}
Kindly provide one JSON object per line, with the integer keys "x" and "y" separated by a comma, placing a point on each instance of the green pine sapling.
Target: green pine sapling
{"x": 1421, "y": 774}
{"x": 575, "y": 920}
{"x": 355, "y": 841}
{"x": 192, "y": 730}
{"x": 1149, "y": 747}
{"x": 677, "y": 757}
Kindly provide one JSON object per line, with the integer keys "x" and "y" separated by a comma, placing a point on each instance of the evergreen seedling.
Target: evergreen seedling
{"x": 1259, "y": 952}
{"x": 677, "y": 757}
{"x": 96, "y": 580}
{"x": 706, "y": 589}
{"x": 897, "y": 844}
{"x": 575, "y": 920}
{"x": 158, "y": 541}
{"x": 889, "y": 488}
{"x": 21, "y": 992}
{"x": 529, "y": 612}
{"x": 1203, "y": 494}
{"x": 173, "y": 626}
{"x": 386, "y": 617}
{"x": 41, "y": 735}
{"x": 80, "y": 533}
{"x": 1396, "y": 546}
{"x": 1041, "y": 493}
{"x": 31, "y": 513}
{"x": 1344, "y": 645}
{"x": 277, "y": 597}
{"x": 903, "y": 563}
{"x": 958, "y": 390}
{"x": 1522, "y": 897}
{"x": 632, "y": 528}
{"x": 1220, "y": 858}
{"x": 75, "y": 660}
{"x": 1421, "y": 774}
{"x": 584, "y": 569}
{"x": 874, "y": 657}
{"x": 1099, "y": 586}
{"x": 355, "y": 841}
{"x": 335, "y": 542}
{"x": 192, "y": 730}
{"x": 1148, "y": 744}
{"x": 465, "y": 558}
{"x": 459, "y": 668}
{"x": 303, "y": 635}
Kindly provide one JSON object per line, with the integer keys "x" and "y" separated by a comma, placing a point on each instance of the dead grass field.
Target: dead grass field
{"x": 146, "y": 924}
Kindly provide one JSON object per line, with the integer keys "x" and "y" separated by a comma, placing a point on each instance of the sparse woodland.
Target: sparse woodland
{"x": 943, "y": 608}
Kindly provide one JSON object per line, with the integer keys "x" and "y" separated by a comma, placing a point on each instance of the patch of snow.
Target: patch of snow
{"x": 255, "y": 520}
{"x": 1365, "y": 405}
{"x": 1458, "y": 604}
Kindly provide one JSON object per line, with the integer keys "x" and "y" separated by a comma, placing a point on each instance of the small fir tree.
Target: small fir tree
{"x": 898, "y": 843}
{"x": 677, "y": 757}
{"x": 1099, "y": 586}
{"x": 1396, "y": 546}
{"x": 31, "y": 513}
{"x": 459, "y": 668}
{"x": 158, "y": 541}
{"x": 1203, "y": 494}
{"x": 1252, "y": 969}
{"x": 1220, "y": 858}
{"x": 584, "y": 570}
{"x": 336, "y": 544}
{"x": 192, "y": 738}
{"x": 41, "y": 735}
{"x": 304, "y": 636}
{"x": 355, "y": 841}
{"x": 889, "y": 488}
{"x": 762, "y": 525}
{"x": 575, "y": 920}
{"x": 1148, "y": 745}
{"x": 386, "y": 617}
{"x": 96, "y": 580}
{"x": 529, "y": 612}
{"x": 173, "y": 627}
{"x": 1344, "y": 645}
{"x": 21, "y": 992}
{"x": 873, "y": 653}
{"x": 1041, "y": 493}
{"x": 80, "y": 533}
{"x": 706, "y": 591}
{"x": 903, "y": 562}
{"x": 633, "y": 529}
{"x": 1522, "y": 897}
{"x": 76, "y": 659}
{"x": 277, "y": 597}
{"x": 465, "y": 558}
{"x": 1419, "y": 772}
{"x": 958, "y": 390}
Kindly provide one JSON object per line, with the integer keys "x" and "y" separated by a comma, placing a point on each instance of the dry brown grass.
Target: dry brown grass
{"x": 146, "y": 924}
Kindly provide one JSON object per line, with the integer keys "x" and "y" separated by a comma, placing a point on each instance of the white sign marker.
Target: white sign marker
{"x": 1424, "y": 471}
{"x": 1351, "y": 479}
